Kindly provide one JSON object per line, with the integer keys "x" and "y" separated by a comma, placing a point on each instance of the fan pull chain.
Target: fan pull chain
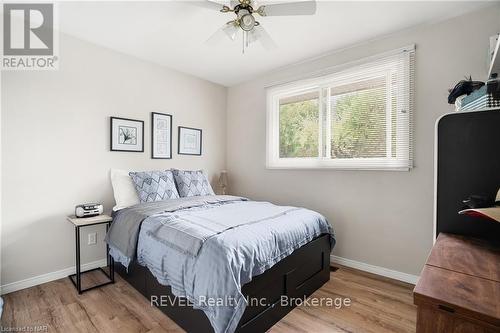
{"x": 244, "y": 41}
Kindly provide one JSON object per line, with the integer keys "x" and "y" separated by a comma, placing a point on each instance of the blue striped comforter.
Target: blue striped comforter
{"x": 245, "y": 238}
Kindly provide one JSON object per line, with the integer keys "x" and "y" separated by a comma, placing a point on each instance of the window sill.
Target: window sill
{"x": 341, "y": 165}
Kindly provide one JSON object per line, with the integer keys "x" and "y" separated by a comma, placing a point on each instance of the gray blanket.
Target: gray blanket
{"x": 124, "y": 230}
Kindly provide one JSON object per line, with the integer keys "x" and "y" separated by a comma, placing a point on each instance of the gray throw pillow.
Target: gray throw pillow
{"x": 154, "y": 185}
{"x": 192, "y": 183}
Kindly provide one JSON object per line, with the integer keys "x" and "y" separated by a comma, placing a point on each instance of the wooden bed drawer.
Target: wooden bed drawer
{"x": 261, "y": 300}
{"x": 297, "y": 275}
{"x": 297, "y": 278}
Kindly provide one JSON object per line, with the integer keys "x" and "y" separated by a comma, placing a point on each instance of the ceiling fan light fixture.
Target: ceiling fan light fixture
{"x": 231, "y": 29}
{"x": 261, "y": 11}
{"x": 253, "y": 36}
{"x": 247, "y": 22}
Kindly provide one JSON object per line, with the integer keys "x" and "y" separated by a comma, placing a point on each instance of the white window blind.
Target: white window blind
{"x": 357, "y": 117}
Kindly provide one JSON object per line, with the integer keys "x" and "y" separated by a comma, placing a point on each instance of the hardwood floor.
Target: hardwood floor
{"x": 377, "y": 305}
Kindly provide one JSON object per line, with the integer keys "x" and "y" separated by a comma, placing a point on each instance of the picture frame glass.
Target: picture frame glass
{"x": 161, "y": 136}
{"x": 127, "y": 135}
{"x": 189, "y": 141}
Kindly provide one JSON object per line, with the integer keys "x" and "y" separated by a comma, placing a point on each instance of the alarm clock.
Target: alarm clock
{"x": 88, "y": 210}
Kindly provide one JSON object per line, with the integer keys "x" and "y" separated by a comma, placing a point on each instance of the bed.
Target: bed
{"x": 221, "y": 263}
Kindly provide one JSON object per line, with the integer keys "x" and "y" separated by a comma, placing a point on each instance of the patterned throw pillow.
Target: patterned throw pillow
{"x": 154, "y": 185}
{"x": 192, "y": 183}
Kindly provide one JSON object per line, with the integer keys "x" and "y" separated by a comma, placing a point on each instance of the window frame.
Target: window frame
{"x": 324, "y": 82}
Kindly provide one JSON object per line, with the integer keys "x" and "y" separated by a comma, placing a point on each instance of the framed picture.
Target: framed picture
{"x": 127, "y": 134}
{"x": 161, "y": 135}
{"x": 189, "y": 141}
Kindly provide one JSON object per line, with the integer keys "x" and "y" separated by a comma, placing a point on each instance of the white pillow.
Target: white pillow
{"x": 123, "y": 189}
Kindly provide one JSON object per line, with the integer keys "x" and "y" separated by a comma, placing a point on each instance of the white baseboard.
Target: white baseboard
{"x": 400, "y": 276}
{"x": 36, "y": 280}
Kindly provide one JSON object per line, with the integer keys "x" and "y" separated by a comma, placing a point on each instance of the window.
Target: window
{"x": 355, "y": 118}
{"x": 299, "y": 125}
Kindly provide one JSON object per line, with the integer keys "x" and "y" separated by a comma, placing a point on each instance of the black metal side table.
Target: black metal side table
{"x": 76, "y": 279}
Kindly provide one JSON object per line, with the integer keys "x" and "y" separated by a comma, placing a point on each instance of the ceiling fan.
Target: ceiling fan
{"x": 245, "y": 20}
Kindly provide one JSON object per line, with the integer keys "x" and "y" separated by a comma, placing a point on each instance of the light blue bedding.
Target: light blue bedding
{"x": 245, "y": 238}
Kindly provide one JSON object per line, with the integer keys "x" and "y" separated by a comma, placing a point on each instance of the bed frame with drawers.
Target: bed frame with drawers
{"x": 296, "y": 276}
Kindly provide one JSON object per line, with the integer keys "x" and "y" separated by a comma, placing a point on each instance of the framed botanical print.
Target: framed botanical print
{"x": 161, "y": 135}
{"x": 189, "y": 141}
{"x": 127, "y": 134}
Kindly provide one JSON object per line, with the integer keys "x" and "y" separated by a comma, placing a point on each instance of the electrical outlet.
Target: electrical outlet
{"x": 92, "y": 238}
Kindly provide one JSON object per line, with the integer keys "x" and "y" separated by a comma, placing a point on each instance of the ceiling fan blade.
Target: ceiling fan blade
{"x": 212, "y": 5}
{"x": 260, "y": 34}
{"x": 290, "y": 8}
{"x": 229, "y": 30}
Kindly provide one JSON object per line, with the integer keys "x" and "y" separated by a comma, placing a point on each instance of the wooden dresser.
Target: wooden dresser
{"x": 459, "y": 288}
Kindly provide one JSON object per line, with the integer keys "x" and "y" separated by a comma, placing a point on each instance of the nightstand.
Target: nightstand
{"x": 76, "y": 279}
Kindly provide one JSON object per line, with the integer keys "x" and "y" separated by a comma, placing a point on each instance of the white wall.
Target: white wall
{"x": 55, "y": 145}
{"x": 380, "y": 218}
